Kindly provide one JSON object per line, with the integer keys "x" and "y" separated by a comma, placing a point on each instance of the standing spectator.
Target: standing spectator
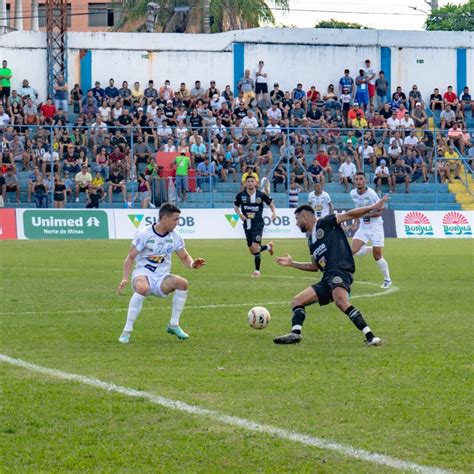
{"x": 59, "y": 196}
{"x": 382, "y": 176}
{"x": 5, "y": 83}
{"x": 144, "y": 191}
{"x": 12, "y": 184}
{"x": 346, "y": 81}
{"x": 60, "y": 93}
{"x": 247, "y": 87}
{"x": 261, "y": 85}
{"x": 369, "y": 73}
{"x": 294, "y": 194}
{"x": 40, "y": 193}
{"x": 279, "y": 176}
{"x": 381, "y": 89}
{"x": 400, "y": 175}
{"x": 182, "y": 164}
{"x": 75, "y": 98}
{"x": 347, "y": 171}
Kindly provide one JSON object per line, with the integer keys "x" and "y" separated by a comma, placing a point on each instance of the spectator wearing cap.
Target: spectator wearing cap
{"x": 346, "y": 81}
{"x": 98, "y": 92}
{"x": 354, "y": 112}
{"x": 382, "y": 176}
{"x": 420, "y": 119}
{"x": 12, "y": 185}
{"x": 60, "y": 93}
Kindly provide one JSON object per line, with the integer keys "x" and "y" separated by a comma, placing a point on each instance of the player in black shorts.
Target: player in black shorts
{"x": 332, "y": 255}
{"x": 248, "y": 205}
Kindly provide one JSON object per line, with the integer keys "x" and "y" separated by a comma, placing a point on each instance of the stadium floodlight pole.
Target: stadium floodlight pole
{"x": 206, "y": 21}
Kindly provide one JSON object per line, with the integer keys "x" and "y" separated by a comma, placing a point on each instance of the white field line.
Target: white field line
{"x": 219, "y": 417}
{"x": 392, "y": 289}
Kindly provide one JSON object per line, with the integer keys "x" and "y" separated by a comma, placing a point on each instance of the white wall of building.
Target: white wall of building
{"x": 309, "y": 56}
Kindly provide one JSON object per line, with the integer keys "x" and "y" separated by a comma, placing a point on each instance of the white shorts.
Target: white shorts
{"x": 154, "y": 281}
{"x": 374, "y": 234}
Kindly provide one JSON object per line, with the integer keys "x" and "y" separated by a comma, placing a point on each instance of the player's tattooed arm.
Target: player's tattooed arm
{"x": 361, "y": 211}
{"x": 188, "y": 261}
{"x": 287, "y": 261}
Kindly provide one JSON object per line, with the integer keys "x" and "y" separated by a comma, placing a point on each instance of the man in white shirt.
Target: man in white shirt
{"x": 250, "y": 123}
{"x": 393, "y": 123}
{"x": 369, "y": 227}
{"x": 274, "y": 113}
{"x": 407, "y": 123}
{"x": 261, "y": 84}
{"x": 369, "y": 72}
{"x": 382, "y": 176}
{"x": 4, "y": 117}
{"x": 410, "y": 141}
{"x": 273, "y": 130}
{"x": 151, "y": 251}
{"x": 347, "y": 171}
{"x": 320, "y": 201}
{"x": 366, "y": 154}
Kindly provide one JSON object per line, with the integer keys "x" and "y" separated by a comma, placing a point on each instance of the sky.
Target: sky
{"x": 378, "y": 14}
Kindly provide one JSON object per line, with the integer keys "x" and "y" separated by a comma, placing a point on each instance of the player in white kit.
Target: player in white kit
{"x": 320, "y": 201}
{"x": 369, "y": 228}
{"x": 151, "y": 251}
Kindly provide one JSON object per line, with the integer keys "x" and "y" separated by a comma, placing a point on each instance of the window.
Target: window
{"x": 42, "y": 15}
{"x": 101, "y": 14}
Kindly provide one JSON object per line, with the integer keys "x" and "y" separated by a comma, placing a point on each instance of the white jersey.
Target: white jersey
{"x": 320, "y": 203}
{"x": 366, "y": 199}
{"x": 155, "y": 251}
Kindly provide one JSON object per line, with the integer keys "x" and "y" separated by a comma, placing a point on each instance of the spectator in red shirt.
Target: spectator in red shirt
{"x": 451, "y": 98}
{"x": 352, "y": 114}
{"x": 48, "y": 111}
{"x": 323, "y": 160}
{"x": 311, "y": 94}
{"x": 118, "y": 160}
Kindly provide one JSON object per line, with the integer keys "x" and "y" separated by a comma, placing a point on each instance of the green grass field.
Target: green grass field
{"x": 410, "y": 399}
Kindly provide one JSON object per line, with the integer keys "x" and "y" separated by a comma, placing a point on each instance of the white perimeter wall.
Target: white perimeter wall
{"x": 309, "y": 56}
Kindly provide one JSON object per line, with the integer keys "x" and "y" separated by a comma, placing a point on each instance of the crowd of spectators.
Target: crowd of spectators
{"x": 93, "y": 141}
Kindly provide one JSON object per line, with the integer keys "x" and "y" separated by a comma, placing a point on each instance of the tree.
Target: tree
{"x": 226, "y": 15}
{"x": 452, "y": 18}
{"x": 343, "y": 25}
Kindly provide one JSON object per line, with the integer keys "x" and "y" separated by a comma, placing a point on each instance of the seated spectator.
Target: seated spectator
{"x": 316, "y": 172}
{"x": 71, "y": 161}
{"x": 297, "y": 114}
{"x": 393, "y": 123}
{"x": 322, "y": 159}
{"x": 330, "y": 98}
{"x": 198, "y": 151}
{"x": 93, "y": 197}
{"x": 279, "y": 177}
{"x": 436, "y": 100}
{"x": 137, "y": 94}
{"x": 48, "y": 111}
{"x": 111, "y": 92}
{"x": 246, "y": 85}
{"x": 27, "y": 92}
{"x": 51, "y": 162}
{"x": 359, "y": 123}
{"x": 40, "y": 193}
{"x": 82, "y": 179}
{"x": 447, "y": 117}
{"x": 417, "y": 165}
{"x": 400, "y": 96}
{"x": 206, "y": 172}
{"x": 400, "y": 173}
{"x": 347, "y": 171}
{"x": 466, "y": 102}
{"x": 299, "y": 95}
{"x": 125, "y": 94}
{"x": 453, "y": 161}
{"x": 117, "y": 184}
{"x": 414, "y": 96}
{"x": 382, "y": 176}
{"x": 354, "y": 112}
{"x": 406, "y": 123}
{"x": 311, "y": 96}
{"x": 443, "y": 171}
{"x": 250, "y": 123}
{"x": 366, "y": 155}
{"x": 420, "y": 119}
{"x": 31, "y": 112}
{"x": 119, "y": 160}
{"x": 455, "y": 134}
{"x": 394, "y": 151}
{"x": 12, "y": 185}
{"x": 450, "y": 98}
{"x": 410, "y": 141}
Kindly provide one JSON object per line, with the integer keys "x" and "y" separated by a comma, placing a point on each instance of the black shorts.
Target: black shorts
{"x": 330, "y": 281}
{"x": 5, "y": 92}
{"x": 383, "y": 180}
{"x": 261, "y": 87}
{"x": 254, "y": 235}
{"x": 58, "y": 197}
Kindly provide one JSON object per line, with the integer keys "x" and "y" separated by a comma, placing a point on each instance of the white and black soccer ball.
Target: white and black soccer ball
{"x": 258, "y": 317}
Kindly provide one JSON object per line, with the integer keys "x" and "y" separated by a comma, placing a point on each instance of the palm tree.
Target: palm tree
{"x": 185, "y": 16}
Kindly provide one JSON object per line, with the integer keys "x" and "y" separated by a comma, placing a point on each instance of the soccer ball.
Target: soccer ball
{"x": 258, "y": 317}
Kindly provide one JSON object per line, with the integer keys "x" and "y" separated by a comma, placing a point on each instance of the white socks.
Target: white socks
{"x": 134, "y": 308}
{"x": 179, "y": 299}
{"x": 383, "y": 265}
{"x": 364, "y": 250}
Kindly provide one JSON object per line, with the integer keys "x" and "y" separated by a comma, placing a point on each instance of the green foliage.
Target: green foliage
{"x": 452, "y": 18}
{"x": 226, "y": 14}
{"x": 409, "y": 399}
{"x": 332, "y": 23}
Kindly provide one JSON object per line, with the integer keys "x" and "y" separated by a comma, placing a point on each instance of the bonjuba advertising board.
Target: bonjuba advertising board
{"x": 206, "y": 223}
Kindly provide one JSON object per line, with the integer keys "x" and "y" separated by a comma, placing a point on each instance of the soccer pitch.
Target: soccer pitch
{"x": 409, "y": 400}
